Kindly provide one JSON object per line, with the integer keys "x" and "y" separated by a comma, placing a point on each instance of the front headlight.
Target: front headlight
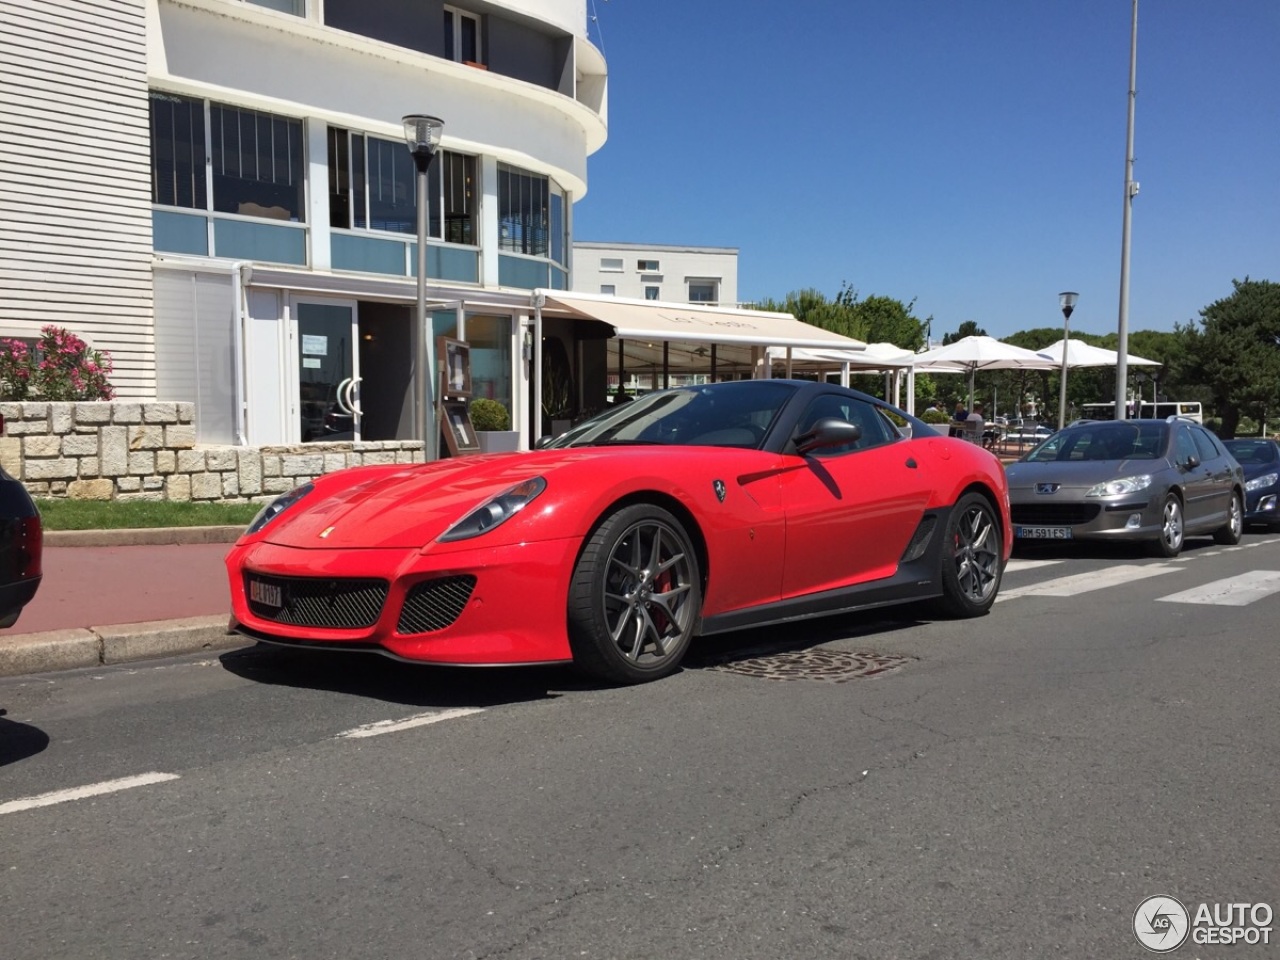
{"x": 493, "y": 512}
{"x": 278, "y": 506}
{"x": 1116, "y": 488}
{"x": 1262, "y": 482}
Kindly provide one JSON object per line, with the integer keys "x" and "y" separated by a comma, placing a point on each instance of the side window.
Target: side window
{"x": 875, "y": 429}
{"x": 1184, "y": 447}
{"x": 1205, "y": 445}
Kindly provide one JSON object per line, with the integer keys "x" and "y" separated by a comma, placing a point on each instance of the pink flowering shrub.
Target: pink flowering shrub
{"x": 60, "y": 367}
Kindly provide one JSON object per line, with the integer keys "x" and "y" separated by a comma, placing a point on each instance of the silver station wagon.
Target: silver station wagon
{"x": 1149, "y": 480}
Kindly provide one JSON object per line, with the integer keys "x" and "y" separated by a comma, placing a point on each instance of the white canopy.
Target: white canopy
{"x": 659, "y": 320}
{"x": 971, "y": 354}
{"x": 1081, "y": 354}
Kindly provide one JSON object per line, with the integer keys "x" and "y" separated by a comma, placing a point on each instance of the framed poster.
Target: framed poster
{"x": 455, "y": 423}
{"x": 453, "y": 358}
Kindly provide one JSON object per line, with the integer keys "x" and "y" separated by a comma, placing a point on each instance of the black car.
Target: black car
{"x": 21, "y": 549}
{"x": 1261, "y": 461}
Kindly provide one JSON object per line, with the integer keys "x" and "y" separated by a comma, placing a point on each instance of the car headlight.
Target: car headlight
{"x": 495, "y": 511}
{"x": 1262, "y": 482}
{"x": 1116, "y": 488}
{"x": 278, "y": 506}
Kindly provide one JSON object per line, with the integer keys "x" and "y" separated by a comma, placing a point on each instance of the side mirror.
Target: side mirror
{"x": 542, "y": 442}
{"x": 1192, "y": 462}
{"x": 827, "y": 432}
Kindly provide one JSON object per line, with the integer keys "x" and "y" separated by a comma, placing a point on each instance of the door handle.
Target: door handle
{"x": 340, "y": 396}
{"x": 352, "y": 401}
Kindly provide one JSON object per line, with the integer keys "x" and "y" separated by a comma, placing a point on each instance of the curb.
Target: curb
{"x": 141, "y": 536}
{"x": 118, "y": 643}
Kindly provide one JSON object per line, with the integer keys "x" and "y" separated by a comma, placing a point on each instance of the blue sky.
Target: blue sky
{"x": 967, "y": 155}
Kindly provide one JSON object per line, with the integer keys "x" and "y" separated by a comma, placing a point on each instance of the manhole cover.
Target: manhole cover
{"x": 828, "y": 666}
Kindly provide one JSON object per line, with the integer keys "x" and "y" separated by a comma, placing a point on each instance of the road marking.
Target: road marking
{"x": 1014, "y": 566}
{"x": 1237, "y": 591}
{"x": 80, "y": 793}
{"x": 419, "y": 720}
{"x": 1085, "y": 582}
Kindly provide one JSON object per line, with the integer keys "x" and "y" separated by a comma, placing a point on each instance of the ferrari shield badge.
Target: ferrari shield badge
{"x": 718, "y": 486}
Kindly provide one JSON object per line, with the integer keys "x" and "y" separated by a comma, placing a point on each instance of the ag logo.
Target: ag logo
{"x": 719, "y": 488}
{"x": 1161, "y": 924}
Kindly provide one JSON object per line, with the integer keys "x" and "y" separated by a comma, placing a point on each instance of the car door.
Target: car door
{"x": 1220, "y": 468}
{"x": 1196, "y": 478}
{"x": 850, "y": 511}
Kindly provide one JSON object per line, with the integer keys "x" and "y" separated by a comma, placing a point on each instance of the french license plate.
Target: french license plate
{"x": 268, "y": 594}
{"x": 1042, "y": 533}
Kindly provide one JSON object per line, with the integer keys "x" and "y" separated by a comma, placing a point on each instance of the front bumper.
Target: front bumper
{"x": 1262, "y": 506}
{"x": 503, "y": 605}
{"x": 1091, "y": 518}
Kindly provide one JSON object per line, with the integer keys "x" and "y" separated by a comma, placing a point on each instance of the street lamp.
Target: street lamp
{"x": 1067, "y": 301}
{"x": 422, "y": 134}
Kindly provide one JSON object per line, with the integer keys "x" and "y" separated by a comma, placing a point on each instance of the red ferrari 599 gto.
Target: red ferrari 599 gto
{"x": 690, "y": 511}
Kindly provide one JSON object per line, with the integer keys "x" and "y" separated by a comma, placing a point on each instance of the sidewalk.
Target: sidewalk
{"x": 112, "y": 596}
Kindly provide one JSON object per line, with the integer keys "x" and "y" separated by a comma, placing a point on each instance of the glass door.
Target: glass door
{"x": 328, "y": 371}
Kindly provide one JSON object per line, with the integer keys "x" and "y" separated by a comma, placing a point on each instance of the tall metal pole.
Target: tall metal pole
{"x": 1068, "y": 303}
{"x": 1130, "y": 191}
{"x": 424, "y": 424}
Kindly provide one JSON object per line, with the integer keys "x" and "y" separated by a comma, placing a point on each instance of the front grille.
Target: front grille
{"x": 434, "y": 604}
{"x": 1053, "y": 514}
{"x": 321, "y": 602}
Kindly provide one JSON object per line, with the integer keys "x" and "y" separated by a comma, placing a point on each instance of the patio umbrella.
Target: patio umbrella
{"x": 971, "y": 354}
{"x": 1081, "y": 354}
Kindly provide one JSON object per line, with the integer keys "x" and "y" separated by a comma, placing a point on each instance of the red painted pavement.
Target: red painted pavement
{"x": 102, "y": 586}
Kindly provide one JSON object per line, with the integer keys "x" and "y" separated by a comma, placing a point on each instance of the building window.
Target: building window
{"x": 651, "y": 278}
{"x": 532, "y": 215}
{"x": 651, "y": 293}
{"x": 610, "y": 264}
{"x": 704, "y": 291}
{"x": 461, "y": 36}
{"x": 178, "y": 152}
{"x": 648, "y": 266}
{"x": 609, "y": 289}
{"x": 373, "y": 186}
{"x": 296, "y": 7}
{"x": 256, "y": 165}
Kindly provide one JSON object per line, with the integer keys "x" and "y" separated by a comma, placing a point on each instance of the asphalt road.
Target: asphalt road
{"x": 1015, "y": 788}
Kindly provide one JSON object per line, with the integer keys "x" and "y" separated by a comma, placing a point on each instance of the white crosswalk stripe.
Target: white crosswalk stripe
{"x": 1238, "y": 591}
{"x": 1017, "y": 566}
{"x": 1085, "y": 582}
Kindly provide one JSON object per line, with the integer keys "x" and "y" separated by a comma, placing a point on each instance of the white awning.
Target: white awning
{"x": 659, "y": 320}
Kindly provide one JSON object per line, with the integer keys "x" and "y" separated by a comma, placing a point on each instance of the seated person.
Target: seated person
{"x": 975, "y": 424}
{"x": 961, "y": 413}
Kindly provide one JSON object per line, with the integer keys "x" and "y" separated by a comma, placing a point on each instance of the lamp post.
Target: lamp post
{"x": 422, "y": 134}
{"x": 1067, "y": 301}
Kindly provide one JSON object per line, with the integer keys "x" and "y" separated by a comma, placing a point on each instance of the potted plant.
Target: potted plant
{"x": 493, "y": 426}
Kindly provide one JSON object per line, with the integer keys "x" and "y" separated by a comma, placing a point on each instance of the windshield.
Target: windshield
{"x": 1103, "y": 441}
{"x": 1252, "y": 451}
{"x": 736, "y": 414}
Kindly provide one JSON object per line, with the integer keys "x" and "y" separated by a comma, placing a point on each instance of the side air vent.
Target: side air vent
{"x": 920, "y": 539}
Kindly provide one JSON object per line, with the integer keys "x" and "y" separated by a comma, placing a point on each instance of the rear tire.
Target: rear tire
{"x": 972, "y": 564}
{"x": 1231, "y": 532}
{"x": 1169, "y": 543}
{"x": 635, "y": 597}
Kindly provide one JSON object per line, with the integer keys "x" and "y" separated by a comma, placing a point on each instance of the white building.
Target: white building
{"x": 706, "y": 275}
{"x": 219, "y": 193}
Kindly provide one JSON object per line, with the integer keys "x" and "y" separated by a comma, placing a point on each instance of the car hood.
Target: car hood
{"x": 1254, "y": 470}
{"x": 1077, "y": 475}
{"x": 408, "y": 507}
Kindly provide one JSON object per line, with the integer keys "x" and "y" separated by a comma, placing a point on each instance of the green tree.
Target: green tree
{"x": 1234, "y": 352}
{"x": 969, "y": 328}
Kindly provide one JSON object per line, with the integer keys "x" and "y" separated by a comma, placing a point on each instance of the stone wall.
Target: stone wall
{"x": 121, "y": 450}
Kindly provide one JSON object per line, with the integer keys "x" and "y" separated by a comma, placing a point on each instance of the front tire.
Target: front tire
{"x": 1231, "y": 532}
{"x": 635, "y": 597}
{"x": 971, "y": 559}
{"x": 1169, "y": 543}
